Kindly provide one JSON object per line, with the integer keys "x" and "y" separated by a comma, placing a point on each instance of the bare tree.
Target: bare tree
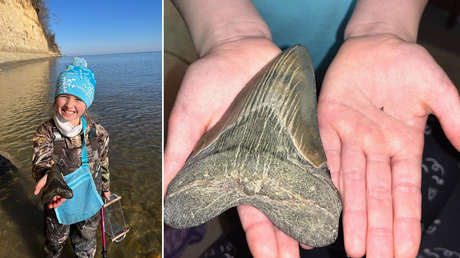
{"x": 43, "y": 13}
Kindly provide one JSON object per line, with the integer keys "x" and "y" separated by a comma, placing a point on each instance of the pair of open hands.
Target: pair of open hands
{"x": 372, "y": 112}
{"x": 57, "y": 200}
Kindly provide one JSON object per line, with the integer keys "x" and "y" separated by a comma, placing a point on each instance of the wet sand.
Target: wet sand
{"x": 10, "y": 58}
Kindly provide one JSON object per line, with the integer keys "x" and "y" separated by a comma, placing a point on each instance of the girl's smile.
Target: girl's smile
{"x": 70, "y": 108}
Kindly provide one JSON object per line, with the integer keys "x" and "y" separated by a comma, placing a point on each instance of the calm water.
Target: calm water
{"x": 128, "y": 105}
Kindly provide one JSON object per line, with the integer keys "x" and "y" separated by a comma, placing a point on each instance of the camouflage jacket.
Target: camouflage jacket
{"x": 65, "y": 154}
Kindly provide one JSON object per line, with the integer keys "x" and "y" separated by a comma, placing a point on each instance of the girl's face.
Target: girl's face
{"x": 70, "y": 108}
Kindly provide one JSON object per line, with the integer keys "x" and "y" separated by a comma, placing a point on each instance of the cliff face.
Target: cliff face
{"x": 21, "y": 34}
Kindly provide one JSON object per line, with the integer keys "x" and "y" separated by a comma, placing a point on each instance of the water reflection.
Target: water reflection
{"x": 128, "y": 104}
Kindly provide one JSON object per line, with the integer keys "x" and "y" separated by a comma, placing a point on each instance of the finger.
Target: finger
{"x": 260, "y": 233}
{"x": 407, "y": 203}
{"x": 53, "y": 202}
{"x": 306, "y": 247}
{"x": 287, "y": 246}
{"x": 331, "y": 143}
{"x": 379, "y": 207}
{"x": 60, "y": 202}
{"x": 354, "y": 200}
{"x": 40, "y": 184}
{"x": 444, "y": 101}
{"x": 56, "y": 203}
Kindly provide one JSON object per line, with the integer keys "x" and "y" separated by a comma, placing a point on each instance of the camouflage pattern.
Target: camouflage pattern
{"x": 82, "y": 235}
{"x": 65, "y": 155}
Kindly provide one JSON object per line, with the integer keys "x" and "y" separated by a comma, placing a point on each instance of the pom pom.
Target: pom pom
{"x": 79, "y": 61}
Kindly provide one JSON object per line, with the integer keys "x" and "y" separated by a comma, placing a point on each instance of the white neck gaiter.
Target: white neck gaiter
{"x": 65, "y": 127}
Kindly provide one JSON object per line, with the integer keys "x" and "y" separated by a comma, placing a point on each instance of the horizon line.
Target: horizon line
{"x": 99, "y": 54}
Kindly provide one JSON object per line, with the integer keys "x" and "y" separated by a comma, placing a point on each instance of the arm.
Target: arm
{"x": 103, "y": 138}
{"x": 42, "y": 163}
{"x": 42, "y": 159}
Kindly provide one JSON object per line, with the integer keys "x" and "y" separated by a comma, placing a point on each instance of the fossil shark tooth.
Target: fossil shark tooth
{"x": 55, "y": 186}
{"x": 266, "y": 152}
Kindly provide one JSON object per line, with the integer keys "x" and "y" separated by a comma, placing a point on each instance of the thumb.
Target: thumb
{"x": 183, "y": 133}
{"x": 40, "y": 184}
{"x": 444, "y": 101}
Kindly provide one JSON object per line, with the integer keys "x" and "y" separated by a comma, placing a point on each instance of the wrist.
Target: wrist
{"x": 373, "y": 17}
{"x": 380, "y": 30}
{"x": 224, "y": 35}
{"x": 377, "y": 29}
{"x": 214, "y": 23}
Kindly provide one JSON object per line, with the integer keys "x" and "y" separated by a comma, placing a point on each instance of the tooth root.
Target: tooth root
{"x": 266, "y": 152}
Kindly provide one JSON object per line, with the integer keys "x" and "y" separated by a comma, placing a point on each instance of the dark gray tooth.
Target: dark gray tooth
{"x": 55, "y": 186}
{"x": 265, "y": 152}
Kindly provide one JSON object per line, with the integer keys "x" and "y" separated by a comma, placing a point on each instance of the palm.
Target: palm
{"x": 373, "y": 107}
{"x": 208, "y": 88}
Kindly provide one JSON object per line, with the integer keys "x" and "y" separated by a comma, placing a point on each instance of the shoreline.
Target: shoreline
{"x": 12, "y": 59}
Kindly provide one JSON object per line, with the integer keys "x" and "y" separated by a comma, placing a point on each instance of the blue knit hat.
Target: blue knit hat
{"x": 77, "y": 80}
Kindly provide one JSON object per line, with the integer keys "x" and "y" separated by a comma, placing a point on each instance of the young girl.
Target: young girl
{"x": 70, "y": 165}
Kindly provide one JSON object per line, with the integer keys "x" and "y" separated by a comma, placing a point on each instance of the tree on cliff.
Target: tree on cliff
{"x": 42, "y": 10}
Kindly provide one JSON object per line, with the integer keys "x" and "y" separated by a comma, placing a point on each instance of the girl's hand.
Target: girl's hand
{"x": 107, "y": 195}
{"x": 56, "y": 201}
{"x": 372, "y": 112}
{"x": 208, "y": 88}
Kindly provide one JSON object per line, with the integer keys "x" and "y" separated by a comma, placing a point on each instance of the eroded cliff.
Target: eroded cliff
{"x": 22, "y": 35}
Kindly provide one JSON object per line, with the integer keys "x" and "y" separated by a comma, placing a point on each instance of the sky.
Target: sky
{"x": 87, "y": 27}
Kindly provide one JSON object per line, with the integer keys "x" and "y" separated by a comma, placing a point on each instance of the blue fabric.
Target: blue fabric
{"x": 77, "y": 80}
{"x": 85, "y": 201}
{"x": 318, "y": 25}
